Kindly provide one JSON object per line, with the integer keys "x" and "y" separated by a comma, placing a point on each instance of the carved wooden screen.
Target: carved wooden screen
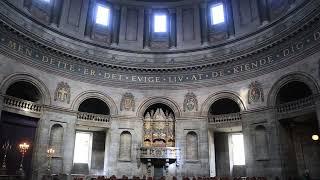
{"x": 159, "y": 128}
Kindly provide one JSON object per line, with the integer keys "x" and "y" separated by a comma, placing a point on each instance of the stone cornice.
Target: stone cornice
{"x": 304, "y": 44}
{"x": 252, "y": 44}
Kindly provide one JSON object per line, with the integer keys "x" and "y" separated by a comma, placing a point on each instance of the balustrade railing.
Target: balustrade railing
{"x": 93, "y": 117}
{"x": 296, "y": 105}
{"x": 159, "y": 152}
{"x": 231, "y": 117}
{"x": 21, "y": 104}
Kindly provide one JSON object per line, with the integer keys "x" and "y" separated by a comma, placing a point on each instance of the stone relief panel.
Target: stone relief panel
{"x": 125, "y": 146}
{"x": 127, "y": 102}
{"x": 62, "y": 92}
{"x": 190, "y": 102}
{"x": 192, "y": 149}
{"x": 255, "y": 93}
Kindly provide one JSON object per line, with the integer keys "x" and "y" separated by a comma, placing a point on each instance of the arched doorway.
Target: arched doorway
{"x": 21, "y": 112}
{"x": 225, "y": 130}
{"x": 89, "y": 149}
{"x": 298, "y": 122}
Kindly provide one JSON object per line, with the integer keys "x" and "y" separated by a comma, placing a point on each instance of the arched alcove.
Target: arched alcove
{"x": 292, "y": 91}
{"x": 94, "y": 105}
{"x": 159, "y": 125}
{"x": 224, "y": 106}
{"x": 56, "y": 139}
{"x": 24, "y": 90}
{"x": 56, "y": 143}
{"x": 192, "y": 146}
{"x": 125, "y": 146}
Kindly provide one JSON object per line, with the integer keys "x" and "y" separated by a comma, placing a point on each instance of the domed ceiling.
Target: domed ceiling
{"x": 251, "y": 32}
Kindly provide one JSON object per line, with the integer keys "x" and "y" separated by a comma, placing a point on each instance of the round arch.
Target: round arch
{"x": 95, "y": 94}
{"x": 29, "y": 78}
{"x": 297, "y": 76}
{"x": 220, "y": 95}
{"x": 154, "y": 100}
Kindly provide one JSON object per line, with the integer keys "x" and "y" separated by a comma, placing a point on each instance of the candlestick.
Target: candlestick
{"x": 50, "y": 153}
{"x": 23, "y": 149}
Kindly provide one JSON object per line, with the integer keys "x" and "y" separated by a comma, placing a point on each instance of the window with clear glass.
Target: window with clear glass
{"x": 238, "y": 156}
{"x": 160, "y": 23}
{"x": 46, "y": 1}
{"x": 102, "y": 15}
{"x": 82, "y": 148}
{"x": 217, "y": 14}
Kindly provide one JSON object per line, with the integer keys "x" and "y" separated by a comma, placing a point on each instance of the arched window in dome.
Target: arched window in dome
{"x": 160, "y": 23}
{"x": 217, "y": 15}
{"x": 102, "y": 15}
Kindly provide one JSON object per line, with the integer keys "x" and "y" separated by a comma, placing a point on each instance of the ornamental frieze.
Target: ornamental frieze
{"x": 274, "y": 58}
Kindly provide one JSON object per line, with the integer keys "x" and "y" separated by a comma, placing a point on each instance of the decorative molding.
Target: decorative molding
{"x": 261, "y": 59}
{"x": 127, "y": 102}
{"x": 237, "y": 48}
{"x": 190, "y": 102}
{"x": 255, "y": 92}
{"x": 62, "y": 92}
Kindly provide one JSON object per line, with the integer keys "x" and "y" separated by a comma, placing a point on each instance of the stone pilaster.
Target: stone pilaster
{"x": 147, "y": 28}
{"x": 270, "y": 166}
{"x": 263, "y": 8}
{"x": 115, "y": 24}
{"x": 48, "y": 118}
{"x": 1, "y": 106}
{"x": 230, "y": 22}
{"x": 173, "y": 29}
{"x": 317, "y": 108}
{"x": 204, "y": 23}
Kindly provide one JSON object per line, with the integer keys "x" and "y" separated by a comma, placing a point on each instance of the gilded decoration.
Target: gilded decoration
{"x": 190, "y": 102}
{"x": 159, "y": 128}
{"x": 255, "y": 92}
{"x": 62, "y": 92}
{"x": 127, "y": 102}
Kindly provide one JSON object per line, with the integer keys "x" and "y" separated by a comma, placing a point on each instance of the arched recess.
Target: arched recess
{"x": 56, "y": 143}
{"x": 261, "y": 143}
{"x": 162, "y": 100}
{"x": 192, "y": 146}
{"x": 297, "y": 76}
{"x": 125, "y": 146}
{"x": 205, "y": 108}
{"x": 95, "y": 94}
{"x": 29, "y": 78}
{"x": 56, "y": 139}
